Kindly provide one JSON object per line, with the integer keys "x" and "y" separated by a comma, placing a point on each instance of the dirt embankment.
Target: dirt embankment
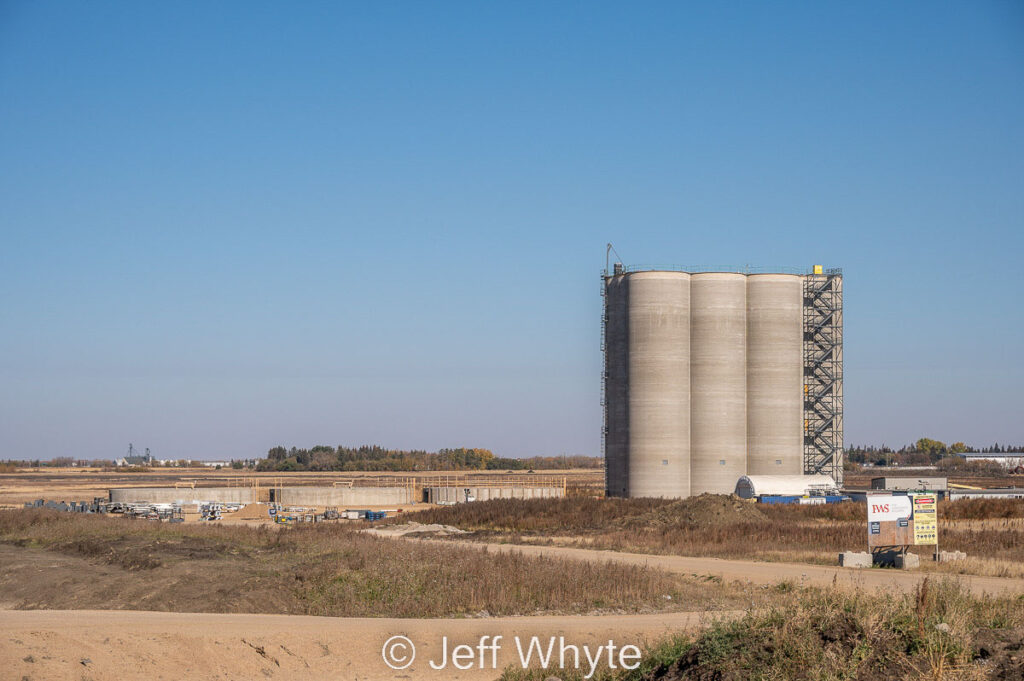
{"x": 705, "y": 510}
{"x": 152, "y": 646}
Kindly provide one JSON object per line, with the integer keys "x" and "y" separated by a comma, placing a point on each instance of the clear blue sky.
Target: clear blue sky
{"x": 227, "y": 226}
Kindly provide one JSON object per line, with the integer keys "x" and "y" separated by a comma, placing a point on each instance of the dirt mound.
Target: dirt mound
{"x": 256, "y": 511}
{"x": 705, "y": 510}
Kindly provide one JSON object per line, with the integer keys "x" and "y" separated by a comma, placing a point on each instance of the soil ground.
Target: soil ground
{"x": 152, "y": 646}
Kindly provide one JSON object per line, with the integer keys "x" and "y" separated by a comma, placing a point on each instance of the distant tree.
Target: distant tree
{"x": 501, "y": 464}
{"x": 934, "y": 449}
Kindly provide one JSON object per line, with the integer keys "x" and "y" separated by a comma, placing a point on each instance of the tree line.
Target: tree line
{"x": 924, "y": 452}
{"x": 376, "y": 458}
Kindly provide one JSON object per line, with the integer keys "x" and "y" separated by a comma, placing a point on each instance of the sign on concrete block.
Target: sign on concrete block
{"x": 889, "y": 520}
{"x": 902, "y": 520}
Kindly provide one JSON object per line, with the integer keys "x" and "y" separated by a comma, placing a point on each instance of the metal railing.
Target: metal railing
{"x": 698, "y": 269}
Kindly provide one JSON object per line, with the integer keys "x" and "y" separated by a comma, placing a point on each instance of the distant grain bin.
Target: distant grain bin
{"x": 713, "y": 375}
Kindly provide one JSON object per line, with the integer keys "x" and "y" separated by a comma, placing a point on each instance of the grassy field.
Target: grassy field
{"x": 990, "y": 531}
{"x": 938, "y": 632}
{"x": 60, "y": 560}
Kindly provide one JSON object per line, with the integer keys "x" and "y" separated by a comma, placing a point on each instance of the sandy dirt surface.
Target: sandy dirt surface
{"x": 33, "y": 578}
{"x": 130, "y": 645}
{"x": 761, "y": 572}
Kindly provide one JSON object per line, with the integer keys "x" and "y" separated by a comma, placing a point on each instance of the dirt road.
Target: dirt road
{"x": 759, "y": 572}
{"x": 129, "y": 645}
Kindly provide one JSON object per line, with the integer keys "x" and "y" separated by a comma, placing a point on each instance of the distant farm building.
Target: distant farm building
{"x": 1013, "y": 461}
{"x": 910, "y": 484}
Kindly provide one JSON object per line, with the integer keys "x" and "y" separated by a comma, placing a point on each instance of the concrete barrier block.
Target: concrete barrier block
{"x": 855, "y": 559}
{"x": 908, "y": 561}
{"x": 945, "y": 556}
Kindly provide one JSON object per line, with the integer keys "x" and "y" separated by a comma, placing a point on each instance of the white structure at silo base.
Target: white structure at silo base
{"x": 753, "y": 486}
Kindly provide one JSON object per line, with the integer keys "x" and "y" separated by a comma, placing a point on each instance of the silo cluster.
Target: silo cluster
{"x": 703, "y": 380}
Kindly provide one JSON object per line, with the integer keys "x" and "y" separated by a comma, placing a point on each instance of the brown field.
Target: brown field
{"x": 56, "y": 560}
{"x": 937, "y": 632}
{"x": 991, "y": 532}
{"x": 781, "y": 624}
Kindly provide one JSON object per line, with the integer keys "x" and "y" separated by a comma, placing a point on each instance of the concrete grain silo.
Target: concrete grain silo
{"x": 710, "y": 376}
{"x": 659, "y": 383}
{"x": 775, "y": 410}
{"x": 718, "y": 381}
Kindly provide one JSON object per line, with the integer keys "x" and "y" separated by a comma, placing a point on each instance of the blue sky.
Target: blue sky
{"x": 227, "y": 226}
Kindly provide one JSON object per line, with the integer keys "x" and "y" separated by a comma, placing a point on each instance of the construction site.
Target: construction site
{"x": 255, "y": 499}
{"x": 724, "y": 491}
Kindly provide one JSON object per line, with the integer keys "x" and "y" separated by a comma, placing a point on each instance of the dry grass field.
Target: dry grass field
{"x": 938, "y": 632}
{"x": 69, "y": 561}
{"x": 783, "y": 629}
{"x": 991, "y": 532}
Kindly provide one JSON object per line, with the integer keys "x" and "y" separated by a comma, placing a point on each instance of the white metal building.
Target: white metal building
{"x": 1008, "y": 460}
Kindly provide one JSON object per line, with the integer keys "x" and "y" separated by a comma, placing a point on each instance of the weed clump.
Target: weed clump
{"x": 938, "y": 632}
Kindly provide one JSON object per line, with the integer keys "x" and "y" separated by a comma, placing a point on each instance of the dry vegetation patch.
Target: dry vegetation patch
{"x": 938, "y": 632}
{"x": 991, "y": 531}
{"x": 323, "y": 569}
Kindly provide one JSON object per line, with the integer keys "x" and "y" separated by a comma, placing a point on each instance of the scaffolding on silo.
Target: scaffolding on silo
{"x": 823, "y": 373}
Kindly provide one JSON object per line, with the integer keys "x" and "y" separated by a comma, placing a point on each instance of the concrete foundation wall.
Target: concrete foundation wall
{"x": 448, "y": 495}
{"x": 168, "y": 495}
{"x": 343, "y": 496}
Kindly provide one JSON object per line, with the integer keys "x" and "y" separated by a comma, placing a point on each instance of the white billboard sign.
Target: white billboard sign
{"x": 883, "y": 507}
